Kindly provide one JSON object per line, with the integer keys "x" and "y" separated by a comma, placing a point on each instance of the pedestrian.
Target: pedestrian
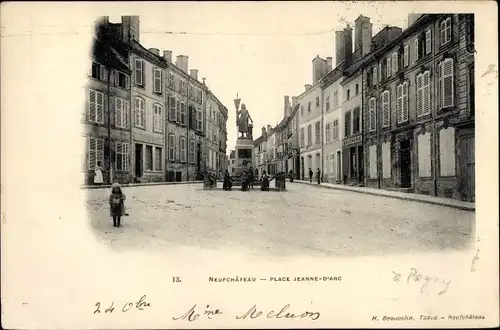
{"x": 291, "y": 176}
{"x": 98, "y": 180}
{"x": 250, "y": 178}
{"x": 244, "y": 181}
{"x": 318, "y": 176}
{"x": 310, "y": 175}
{"x": 264, "y": 186}
{"x": 116, "y": 204}
{"x": 227, "y": 181}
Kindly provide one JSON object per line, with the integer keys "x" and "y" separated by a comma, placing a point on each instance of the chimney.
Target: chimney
{"x": 339, "y": 47}
{"x": 329, "y": 63}
{"x": 319, "y": 68}
{"x": 269, "y": 129}
{"x": 155, "y": 51}
{"x": 307, "y": 86}
{"x": 130, "y": 28}
{"x": 365, "y": 27}
{"x": 182, "y": 62}
{"x": 204, "y": 80}
{"x": 263, "y": 131}
{"x": 286, "y": 112}
{"x": 194, "y": 74}
{"x": 295, "y": 101}
{"x": 348, "y": 45}
{"x": 167, "y": 55}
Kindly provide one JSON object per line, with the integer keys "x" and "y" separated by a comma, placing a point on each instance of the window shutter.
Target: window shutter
{"x": 127, "y": 82}
{"x": 104, "y": 73}
{"x": 92, "y": 152}
{"x": 100, "y": 108}
{"x": 118, "y": 112}
{"x": 426, "y": 108}
{"x": 178, "y": 111}
{"x": 373, "y": 114}
{"x": 399, "y": 105}
{"x": 395, "y": 62}
{"x": 138, "y": 72}
{"x": 380, "y": 72}
{"x": 92, "y": 105}
{"x": 406, "y": 55}
{"x": 126, "y": 114}
{"x": 428, "y": 42}
{"x": 420, "y": 95}
{"x": 415, "y": 45}
{"x": 100, "y": 150}
{"x": 385, "y": 109}
{"x": 375, "y": 78}
{"x": 116, "y": 77}
{"x": 389, "y": 70}
{"x": 405, "y": 102}
{"x": 447, "y": 82}
{"x": 118, "y": 157}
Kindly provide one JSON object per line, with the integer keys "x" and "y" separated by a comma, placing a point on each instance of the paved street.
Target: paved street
{"x": 304, "y": 220}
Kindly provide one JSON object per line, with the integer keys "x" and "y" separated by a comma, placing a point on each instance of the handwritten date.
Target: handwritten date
{"x": 140, "y": 305}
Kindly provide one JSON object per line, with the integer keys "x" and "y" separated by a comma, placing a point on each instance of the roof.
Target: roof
{"x": 258, "y": 140}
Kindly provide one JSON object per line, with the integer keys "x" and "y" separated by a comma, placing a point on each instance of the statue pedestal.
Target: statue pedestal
{"x": 244, "y": 156}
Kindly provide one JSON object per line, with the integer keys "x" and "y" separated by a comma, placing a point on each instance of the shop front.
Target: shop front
{"x": 352, "y": 160}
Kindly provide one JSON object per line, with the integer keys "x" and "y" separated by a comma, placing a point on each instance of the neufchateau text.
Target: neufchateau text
{"x": 237, "y": 279}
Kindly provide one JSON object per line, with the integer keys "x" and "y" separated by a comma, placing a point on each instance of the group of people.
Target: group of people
{"x": 247, "y": 180}
{"x": 318, "y": 175}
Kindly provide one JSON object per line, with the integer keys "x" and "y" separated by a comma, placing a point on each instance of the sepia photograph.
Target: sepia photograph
{"x": 280, "y": 164}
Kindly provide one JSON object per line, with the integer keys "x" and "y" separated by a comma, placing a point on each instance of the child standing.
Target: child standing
{"x": 116, "y": 204}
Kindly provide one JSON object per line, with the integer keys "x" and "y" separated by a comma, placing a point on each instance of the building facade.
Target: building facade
{"x": 106, "y": 118}
{"x": 419, "y": 114}
{"x": 216, "y": 134}
{"x": 292, "y": 151}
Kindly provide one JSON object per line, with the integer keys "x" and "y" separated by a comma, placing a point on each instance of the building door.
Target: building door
{"x": 198, "y": 157}
{"x": 467, "y": 172}
{"x": 361, "y": 173}
{"x": 339, "y": 166}
{"x": 354, "y": 166}
{"x": 138, "y": 160}
{"x": 405, "y": 160}
{"x": 302, "y": 166}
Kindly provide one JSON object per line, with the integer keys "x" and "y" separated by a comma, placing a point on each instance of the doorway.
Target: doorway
{"x": 467, "y": 173}
{"x": 353, "y": 171}
{"x": 198, "y": 157}
{"x": 405, "y": 160}
{"x": 361, "y": 173}
{"x": 138, "y": 160}
{"x": 339, "y": 167}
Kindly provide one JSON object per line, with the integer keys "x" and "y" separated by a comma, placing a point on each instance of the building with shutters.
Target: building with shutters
{"x": 419, "y": 109}
{"x": 216, "y": 134}
{"x": 106, "y": 115}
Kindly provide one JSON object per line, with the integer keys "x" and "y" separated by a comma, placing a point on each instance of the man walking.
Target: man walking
{"x": 318, "y": 176}
{"x": 310, "y": 175}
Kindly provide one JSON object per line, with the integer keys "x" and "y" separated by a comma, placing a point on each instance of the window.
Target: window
{"x": 335, "y": 130}
{"x": 336, "y": 98}
{"x": 121, "y": 156}
{"x": 171, "y": 147}
{"x": 149, "y": 158}
{"x": 357, "y": 89}
{"x": 446, "y": 83}
{"x": 394, "y": 62}
{"x": 183, "y": 114}
{"x": 157, "y": 118}
{"x": 96, "y": 71}
{"x": 157, "y": 81}
{"x": 302, "y": 138}
{"x": 445, "y": 31}
{"x": 348, "y": 95}
{"x": 374, "y": 76}
{"x": 402, "y": 102}
{"x": 182, "y": 146}
{"x": 386, "y": 160}
{"x": 301, "y": 110}
{"x": 309, "y": 107}
{"x": 424, "y": 155}
{"x": 355, "y": 121}
{"x": 139, "y": 112}
{"x": 327, "y": 103}
{"x": 428, "y": 42}
{"x": 96, "y": 152}
{"x": 388, "y": 71}
{"x": 178, "y": 112}
{"x": 386, "y": 113}
{"x": 120, "y": 79}
{"x": 192, "y": 148}
{"x": 96, "y": 106}
{"x": 121, "y": 112}
{"x": 139, "y": 72}
{"x": 373, "y": 161}
{"x": 416, "y": 49}
{"x": 372, "y": 104}
{"x": 406, "y": 55}
{"x": 171, "y": 81}
{"x": 380, "y": 72}
{"x": 423, "y": 94}
{"x": 173, "y": 111}
{"x": 470, "y": 32}
{"x": 317, "y": 131}
{"x": 158, "y": 159}
{"x": 328, "y": 133}
{"x": 317, "y": 101}
{"x": 309, "y": 134}
{"x": 347, "y": 124}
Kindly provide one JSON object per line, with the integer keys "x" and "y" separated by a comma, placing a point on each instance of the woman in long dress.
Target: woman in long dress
{"x": 98, "y": 174}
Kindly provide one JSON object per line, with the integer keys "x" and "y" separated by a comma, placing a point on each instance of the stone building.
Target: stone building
{"x": 216, "y": 134}
{"x": 419, "y": 109}
{"x": 106, "y": 116}
{"x": 291, "y": 138}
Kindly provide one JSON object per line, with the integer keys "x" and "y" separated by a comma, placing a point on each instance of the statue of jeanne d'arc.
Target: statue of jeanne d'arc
{"x": 244, "y": 122}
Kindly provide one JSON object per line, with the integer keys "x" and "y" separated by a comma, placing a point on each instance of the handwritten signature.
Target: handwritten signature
{"x": 138, "y": 305}
{"x": 193, "y": 314}
{"x": 415, "y": 277}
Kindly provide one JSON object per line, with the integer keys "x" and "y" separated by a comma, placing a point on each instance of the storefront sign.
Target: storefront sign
{"x": 352, "y": 140}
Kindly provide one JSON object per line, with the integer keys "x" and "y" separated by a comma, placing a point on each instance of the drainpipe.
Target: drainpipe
{"x": 187, "y": 108}
{"x": 109, "y": 122}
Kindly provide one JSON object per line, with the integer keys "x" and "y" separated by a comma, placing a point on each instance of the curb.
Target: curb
{"x": 407, "y": 198}
{"x": 143, "y": 184}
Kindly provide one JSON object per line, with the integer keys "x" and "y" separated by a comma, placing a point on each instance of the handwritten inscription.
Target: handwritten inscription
{"x": 192, "y": 314}
{"x": 441, "y": 284}
{"x": 254, "y": 313}
{"x": 473, "y": 265}
{"x": 140, "y": 305}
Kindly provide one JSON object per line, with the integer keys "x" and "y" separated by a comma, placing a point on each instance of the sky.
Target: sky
{"x": 262, "y": 51}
